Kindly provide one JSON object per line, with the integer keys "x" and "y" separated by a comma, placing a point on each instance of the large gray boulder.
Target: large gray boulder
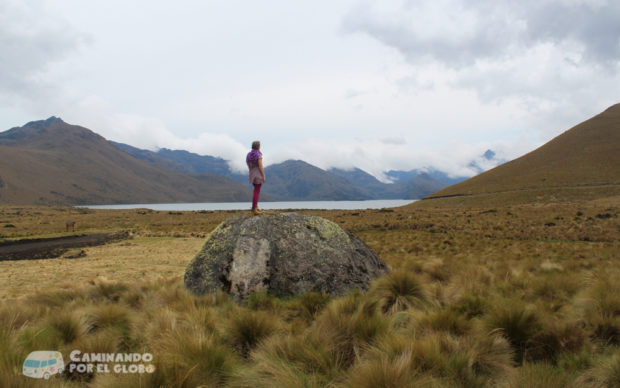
{"x": 283, "y": 254}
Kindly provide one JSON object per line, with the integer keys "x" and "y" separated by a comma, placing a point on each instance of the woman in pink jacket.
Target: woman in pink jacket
{"x": 254, "y": 161}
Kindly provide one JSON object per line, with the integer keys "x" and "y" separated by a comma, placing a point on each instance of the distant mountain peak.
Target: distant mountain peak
{"x": 45, "y": 123}
{"x": 489, "y": 155}
{"x": 54, "y": 119}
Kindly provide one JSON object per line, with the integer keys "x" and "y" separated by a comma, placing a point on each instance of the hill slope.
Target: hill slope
{"x": 52, "y": 162}
{"x": 581, "y": 163}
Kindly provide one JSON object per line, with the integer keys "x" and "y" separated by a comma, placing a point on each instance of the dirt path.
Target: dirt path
{"x": 46, "y": 248}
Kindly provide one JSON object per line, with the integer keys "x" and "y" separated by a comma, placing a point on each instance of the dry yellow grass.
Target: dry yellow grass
{"x": 479, "y": 296}
{"x": 138, "y": 259}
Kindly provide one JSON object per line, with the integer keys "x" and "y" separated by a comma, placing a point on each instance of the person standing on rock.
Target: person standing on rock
{"x": 254, "y": 161}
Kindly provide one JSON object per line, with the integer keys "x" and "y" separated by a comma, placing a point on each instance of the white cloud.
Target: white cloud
{"x": 151, "y": 133}
{"x": 395, "y": 84}
{"x": 557, "y": 60}
{"x": 377, "y": 157}
{"x": 459, "y": 33}
{"x": 31, "y": 41}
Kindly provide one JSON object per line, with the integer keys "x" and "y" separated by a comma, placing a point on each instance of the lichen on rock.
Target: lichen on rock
{"x": 284, "y": 254}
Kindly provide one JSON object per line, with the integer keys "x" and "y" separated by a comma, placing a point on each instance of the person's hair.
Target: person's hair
{"x": 255, "y": 145}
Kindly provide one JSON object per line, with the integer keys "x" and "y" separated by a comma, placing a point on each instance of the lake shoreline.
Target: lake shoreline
{"x": 277, "y": 205}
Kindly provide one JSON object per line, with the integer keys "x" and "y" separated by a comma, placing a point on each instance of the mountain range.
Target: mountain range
{"x": 299, "y": 180}
{"x": 52, "y": 162}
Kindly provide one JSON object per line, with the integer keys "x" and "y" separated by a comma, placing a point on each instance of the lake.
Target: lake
{"x": 329, "y": 205}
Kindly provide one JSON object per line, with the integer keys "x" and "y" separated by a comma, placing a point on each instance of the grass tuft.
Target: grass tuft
{"x": 310, "y": 304}
{"x": 399, "y": 291}
{"x": 303, "y": 359}
{"x": 556, "y": 338}
{"x": 109, "y": 315}
{"x": 516, "y": 322}
{"x": 541, "y": 375}
{"x": 470, "y": 306}
{"x": 103, "y": 289}
{"x": 350, "y": 324}
{"x": 69, "y": 325}
{"x": 263, "y": 301}
{"x": 601, "y": 309}
{"x": 246, "y": 328}
{"x": 385, "y": 371}
{"x": 190, "y": 358}
{"x": 606, "y": 373}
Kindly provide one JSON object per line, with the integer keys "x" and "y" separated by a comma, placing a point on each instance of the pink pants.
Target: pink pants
{"x": 255, "y": 196}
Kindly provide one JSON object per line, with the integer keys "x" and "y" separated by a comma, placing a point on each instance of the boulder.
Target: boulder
{"x": 283, "y": 254}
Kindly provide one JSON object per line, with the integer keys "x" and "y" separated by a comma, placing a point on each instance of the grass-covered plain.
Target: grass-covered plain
{"x": 520, "y": 296}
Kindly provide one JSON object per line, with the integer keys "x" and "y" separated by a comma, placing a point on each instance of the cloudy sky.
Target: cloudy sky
{"x": 378, "y": 85}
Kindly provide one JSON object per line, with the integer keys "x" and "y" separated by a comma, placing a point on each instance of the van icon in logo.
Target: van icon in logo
{"x": 43, "y": 364}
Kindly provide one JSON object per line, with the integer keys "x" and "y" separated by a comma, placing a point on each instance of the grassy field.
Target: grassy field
{"x": 518, "y": 296}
